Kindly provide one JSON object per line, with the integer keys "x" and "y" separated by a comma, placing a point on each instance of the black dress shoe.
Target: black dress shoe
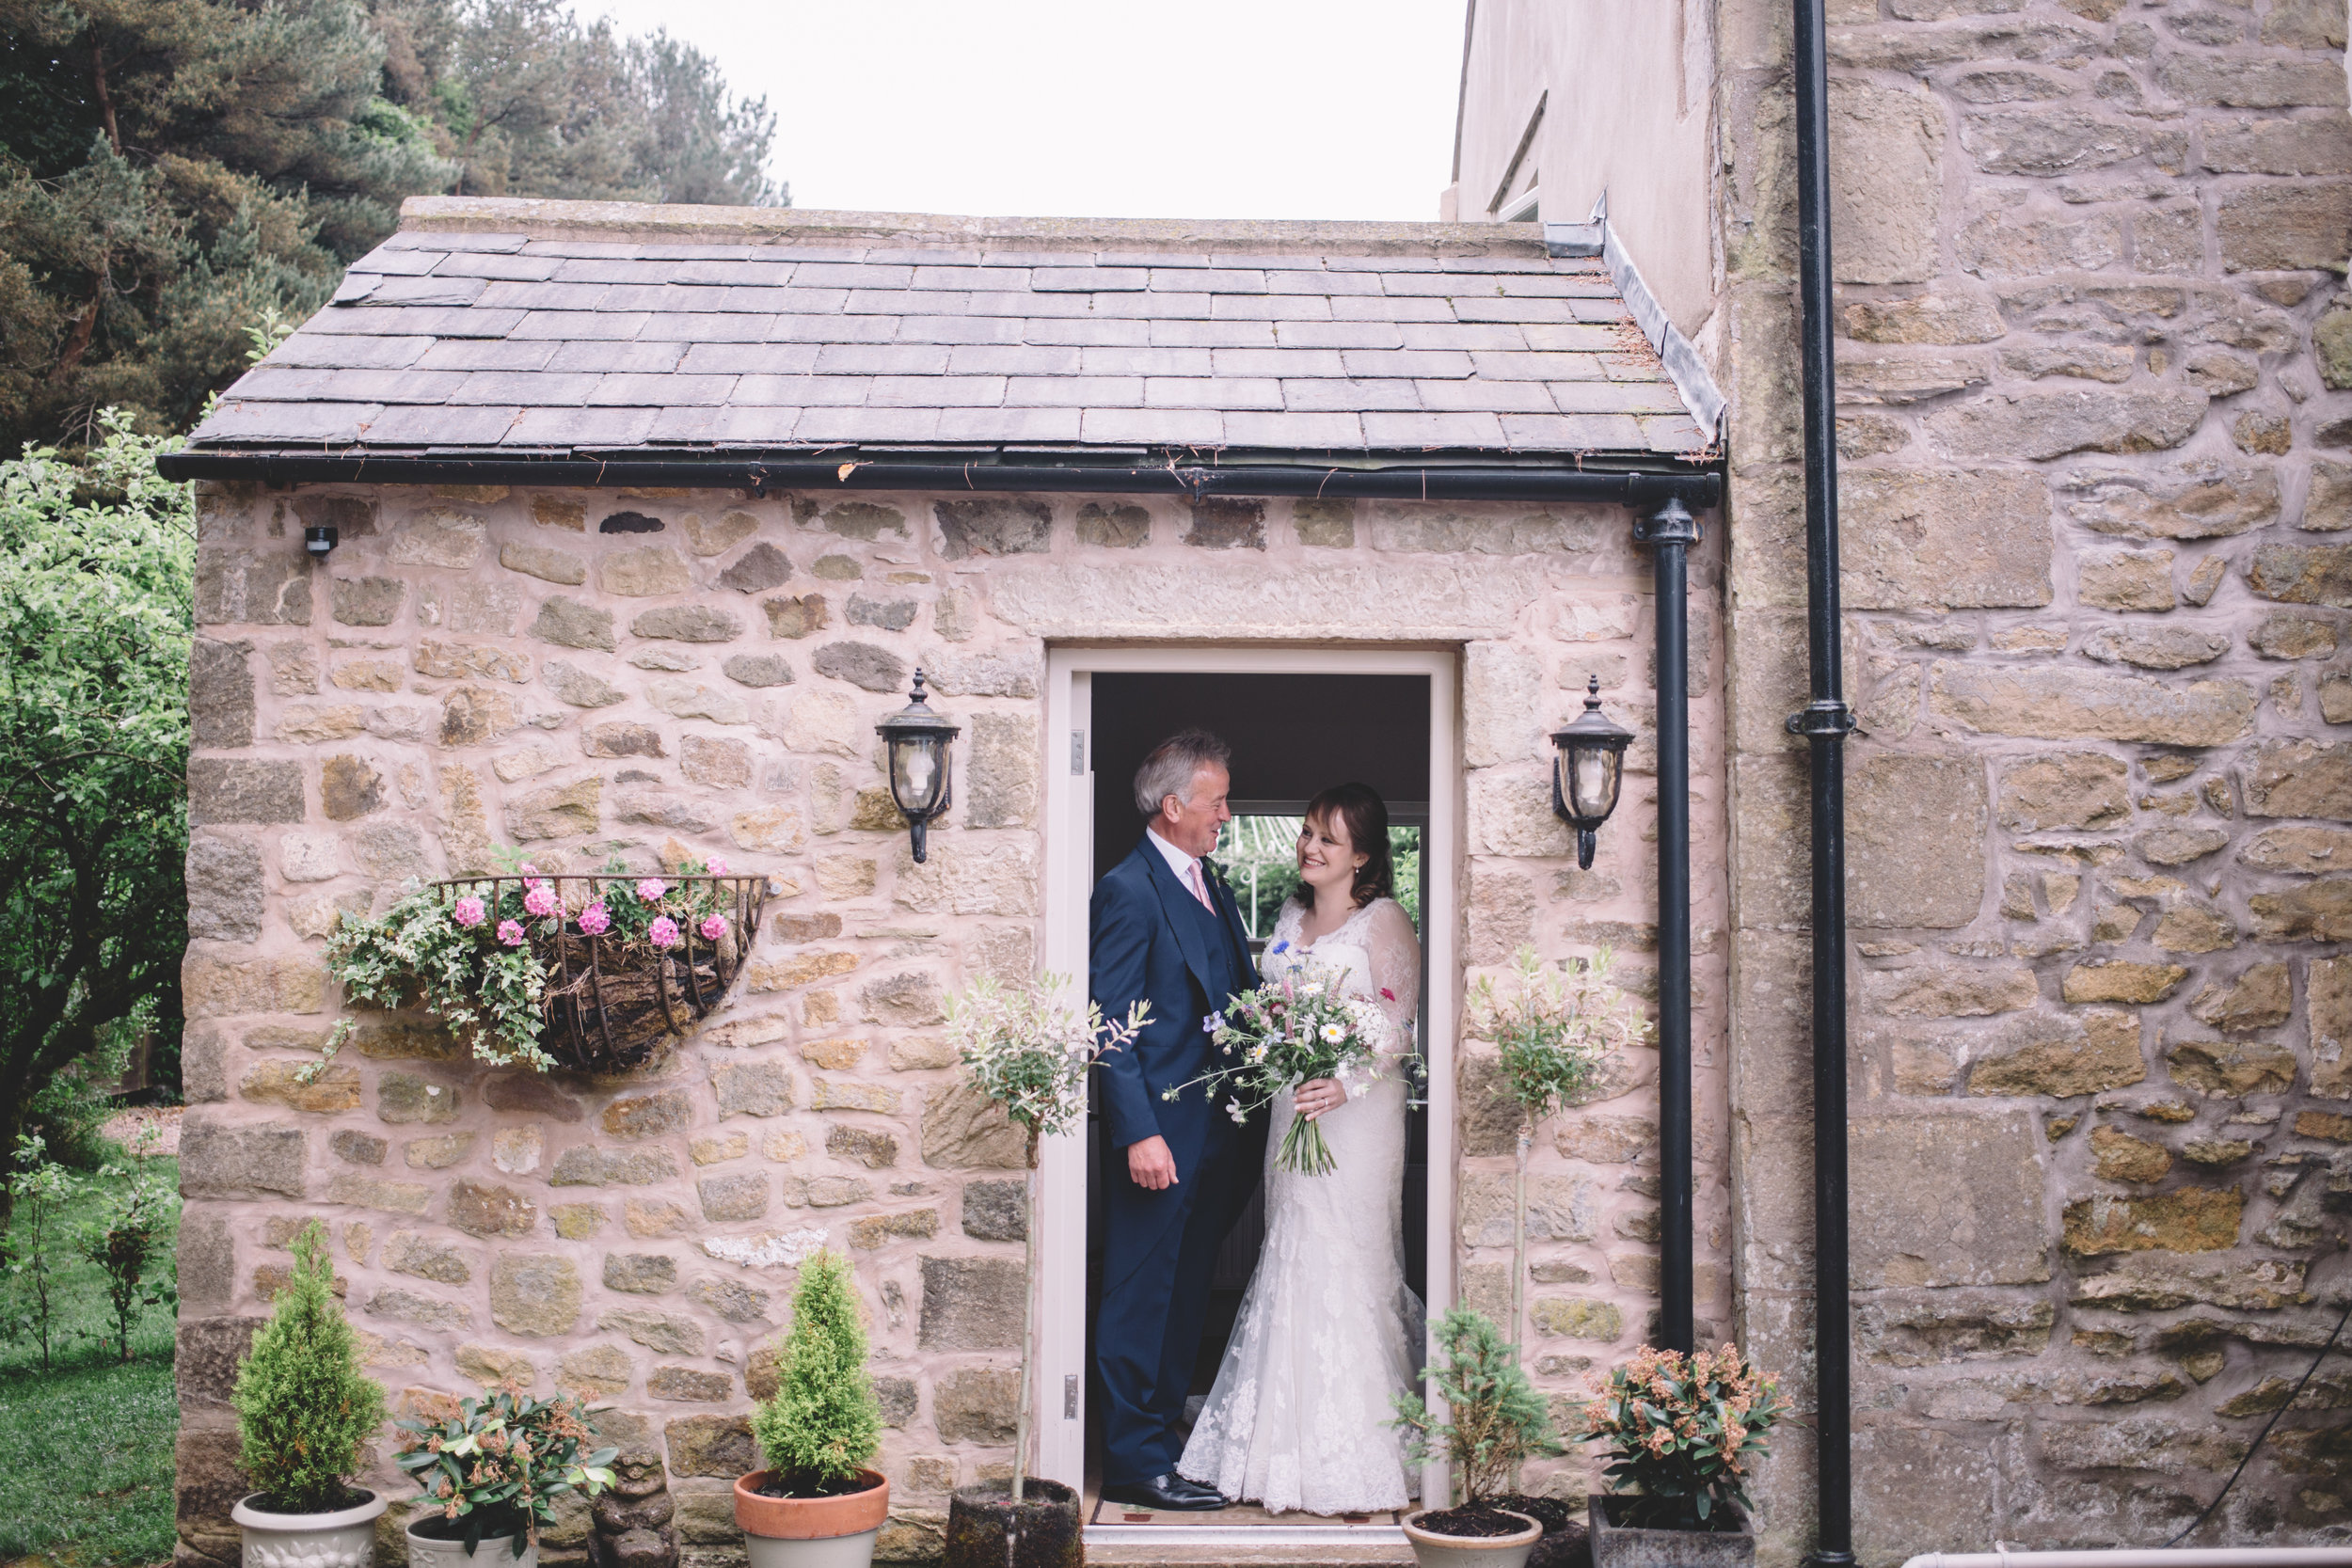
{"x": 1170, "y": 1492}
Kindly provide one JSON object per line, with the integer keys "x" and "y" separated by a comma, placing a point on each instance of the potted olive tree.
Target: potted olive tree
{"x": 1029, "y": 1053}
{"x": 1553, "y": 1028}
{"x": 304, "y": 1410}
{"x": 1682, "y": 1434}
{"x": 491, "y": 1468}
{"x": 817, "y": 1505}
{"x": 1494, "y": 1419}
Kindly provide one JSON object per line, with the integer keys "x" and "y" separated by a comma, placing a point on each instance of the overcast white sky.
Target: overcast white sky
{"x": 1093, "y": 108}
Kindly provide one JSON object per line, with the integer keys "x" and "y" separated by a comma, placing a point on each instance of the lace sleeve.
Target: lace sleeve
{"x": 1396, "y": 966}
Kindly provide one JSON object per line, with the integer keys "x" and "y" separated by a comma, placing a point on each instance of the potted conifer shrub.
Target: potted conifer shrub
{"x": 1030, "y": 1054}
{"x": 304, "y": 1410}
{"x": 1682, "y": 1434}
{"x": 1494, "y": 1421}
{"x": 817, "y": 1505}
{"x": 491, "y": 1468}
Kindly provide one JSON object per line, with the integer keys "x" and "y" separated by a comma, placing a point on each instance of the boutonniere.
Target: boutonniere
{"x": 1214, "y": 871}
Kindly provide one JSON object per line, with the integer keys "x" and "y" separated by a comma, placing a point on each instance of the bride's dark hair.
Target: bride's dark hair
{"x": 1365, "y": 815}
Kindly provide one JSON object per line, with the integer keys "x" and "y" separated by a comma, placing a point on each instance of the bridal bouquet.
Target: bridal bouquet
{"x": 1282, "y": 1035}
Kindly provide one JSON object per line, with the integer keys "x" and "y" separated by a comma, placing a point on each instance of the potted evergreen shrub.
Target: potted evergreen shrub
{"x": 1494, "y": 1421}
{"x": 1030, "y": 1054}
{"x": 491, "y": 1468}
{"x": 304, "y": 1410}
{"x": 1683, "y": 1435}
{"x": 817, "y": 1505}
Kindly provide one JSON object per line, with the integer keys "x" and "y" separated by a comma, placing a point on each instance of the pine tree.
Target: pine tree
{"x": 304, "y": 1408}
{"x": 822, "y": 1423}
{"x": 174, "y": 173}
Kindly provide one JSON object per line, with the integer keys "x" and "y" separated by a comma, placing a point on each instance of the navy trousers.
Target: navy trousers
{"x": 1155, "y": 1298}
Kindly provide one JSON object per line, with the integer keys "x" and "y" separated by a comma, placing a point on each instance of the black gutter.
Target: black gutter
{"x": 1670, "y": 533}
{"x": 1694, "y": 486}
{"x": 1824, "y": 724}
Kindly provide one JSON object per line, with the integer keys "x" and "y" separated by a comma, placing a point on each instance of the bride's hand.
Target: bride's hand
{"x": 1317, "y": 1096}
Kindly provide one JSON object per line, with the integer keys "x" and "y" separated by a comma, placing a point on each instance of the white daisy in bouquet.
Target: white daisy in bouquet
{"x": 1286, "y": 1032}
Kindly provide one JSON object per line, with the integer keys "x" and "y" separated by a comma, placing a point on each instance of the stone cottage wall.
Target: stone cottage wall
{"x": 2092, "y": 422}
{"x": 579, "y": 675}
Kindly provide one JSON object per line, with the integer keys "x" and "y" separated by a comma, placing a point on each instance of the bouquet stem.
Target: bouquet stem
{"x": 1304, "y": 1152}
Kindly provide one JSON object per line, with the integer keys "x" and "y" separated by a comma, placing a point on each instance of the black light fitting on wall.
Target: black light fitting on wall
{"x": 922, "y": 755}
{"x": 1588, "y": 771}
{"x": 320, "y": 540}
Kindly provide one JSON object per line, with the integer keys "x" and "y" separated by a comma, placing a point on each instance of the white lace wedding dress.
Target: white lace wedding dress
{"x": 1329, "y": 1331}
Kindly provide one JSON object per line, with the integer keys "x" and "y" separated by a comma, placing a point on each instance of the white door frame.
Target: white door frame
{"x": 1058, "y": 1354}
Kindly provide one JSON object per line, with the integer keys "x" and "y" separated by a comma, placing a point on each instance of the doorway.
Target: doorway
{"x": 1298, "y": 722}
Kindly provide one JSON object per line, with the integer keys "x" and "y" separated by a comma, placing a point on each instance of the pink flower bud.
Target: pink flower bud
{"x": 718, "y": 866}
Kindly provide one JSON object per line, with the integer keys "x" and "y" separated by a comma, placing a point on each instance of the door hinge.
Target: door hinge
{"x": 1069, "y": 1397}
{"x": 1077, "y": 753}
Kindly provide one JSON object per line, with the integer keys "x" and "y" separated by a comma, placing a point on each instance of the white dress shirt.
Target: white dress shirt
{"x": 1187, "y": 870}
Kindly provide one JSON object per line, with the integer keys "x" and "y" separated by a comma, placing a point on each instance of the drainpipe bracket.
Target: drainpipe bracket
{"x": 1671, "y": 524}
{"x": 1826, "y": 718}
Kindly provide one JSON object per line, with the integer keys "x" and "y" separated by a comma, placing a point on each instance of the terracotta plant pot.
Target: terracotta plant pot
{"x": 520, "y": 1550}
{"x": 986, "y": 1529}
{"x": 343, "y": 1539}
{"x": 1433, "y": 1550}
{"x": 811, "y": 1532}
{"x": 1616, "y": 1546}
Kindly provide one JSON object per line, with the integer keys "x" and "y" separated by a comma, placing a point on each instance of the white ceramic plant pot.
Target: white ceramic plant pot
{"x": 505, "y": 1551}
{"x": 1431, "y": 1551}
{"x": 345, "y": 1539}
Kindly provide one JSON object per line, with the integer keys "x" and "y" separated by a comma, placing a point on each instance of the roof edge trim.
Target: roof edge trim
{"x": 680, "y": 223}
{"x": 1684, "y": 366}
{"x": 1697, "y": 487}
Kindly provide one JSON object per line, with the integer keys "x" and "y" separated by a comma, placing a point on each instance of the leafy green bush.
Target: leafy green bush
{"x": 822, "y": 1424}
{"x": 39, "y": 1188}
{"x": 1496, "y": 1419}
{"x": 1685, "y": 1431}
{"x": 304, "y": 1408}
{"x": 137, "y": 1203}
{"x": 495, "y": 1464}
{"x": 96, "y": 587}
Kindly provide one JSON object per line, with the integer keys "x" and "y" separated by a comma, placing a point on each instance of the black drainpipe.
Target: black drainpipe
{"x": 1824, "y": 724}
{"x": 1670, "y": 532}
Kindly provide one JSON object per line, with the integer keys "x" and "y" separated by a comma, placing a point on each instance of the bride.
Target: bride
{"x": 1329, "y": 1331}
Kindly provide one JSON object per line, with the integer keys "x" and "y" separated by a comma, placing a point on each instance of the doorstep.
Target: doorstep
{"x": 1118, "y": 1549}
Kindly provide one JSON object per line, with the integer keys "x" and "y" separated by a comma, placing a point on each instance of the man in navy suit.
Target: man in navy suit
{"x": 1164, "y": 930}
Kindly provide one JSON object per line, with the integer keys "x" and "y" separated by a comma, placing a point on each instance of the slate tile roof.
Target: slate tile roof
{"x": 486, "y": 325}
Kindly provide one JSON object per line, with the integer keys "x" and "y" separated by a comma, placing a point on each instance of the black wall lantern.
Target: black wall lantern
{"x": 922, "y": 747}
{"x": 1587, "y": 774}
{"x": 319, "y": 539}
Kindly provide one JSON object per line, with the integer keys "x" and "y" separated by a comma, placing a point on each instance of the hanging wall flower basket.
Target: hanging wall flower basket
{"x": 611, "y": 997}
{"x": 587, "y": 972}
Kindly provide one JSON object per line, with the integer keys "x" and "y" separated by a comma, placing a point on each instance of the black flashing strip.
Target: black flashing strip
{"x": 1696, "y": 487}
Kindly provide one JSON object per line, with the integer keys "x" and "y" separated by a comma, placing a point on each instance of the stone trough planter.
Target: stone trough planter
{"x": 1616, "y": 1546}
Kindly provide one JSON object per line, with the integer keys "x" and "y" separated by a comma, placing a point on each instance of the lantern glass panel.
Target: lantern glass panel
{"x": 917, "y": 769}
{"x": 1593, "y": 780}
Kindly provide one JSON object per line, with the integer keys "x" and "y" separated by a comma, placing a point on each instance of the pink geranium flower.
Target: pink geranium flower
{"x": 595, "y": 919}
{"x": 663, "y": 932}
{"x": 529, "y": 869}
{"x": 511, "y": 932}
{"x": 540, "y": 900}
{"x": 468, "y": 911}
{"x": 714, "y": 928}
{"x": 718, "y": 866}
{"x": 651, "y": 889}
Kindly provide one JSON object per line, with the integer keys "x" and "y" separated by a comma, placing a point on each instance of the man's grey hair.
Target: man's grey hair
{"x": 1173, "y": 764}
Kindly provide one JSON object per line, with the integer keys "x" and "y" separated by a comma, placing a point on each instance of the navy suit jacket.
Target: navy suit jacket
{"x": 1144, "y": 945}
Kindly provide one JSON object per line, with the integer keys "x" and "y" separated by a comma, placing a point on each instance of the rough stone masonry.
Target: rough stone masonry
{"x": 2096, "y": 417}
{"x": 576, "y": 673}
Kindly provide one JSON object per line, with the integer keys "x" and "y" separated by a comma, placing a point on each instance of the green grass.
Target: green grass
{"x": 85, "y": 1448}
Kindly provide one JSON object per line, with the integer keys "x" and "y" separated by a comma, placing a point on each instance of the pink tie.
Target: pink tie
{"x": 1201, "y": 888}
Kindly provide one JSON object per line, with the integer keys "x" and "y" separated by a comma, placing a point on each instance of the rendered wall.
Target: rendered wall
{"x": 1630, "y": 111}
{"x": 2093, "y": 482}
{"x": 475, "y": 667}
